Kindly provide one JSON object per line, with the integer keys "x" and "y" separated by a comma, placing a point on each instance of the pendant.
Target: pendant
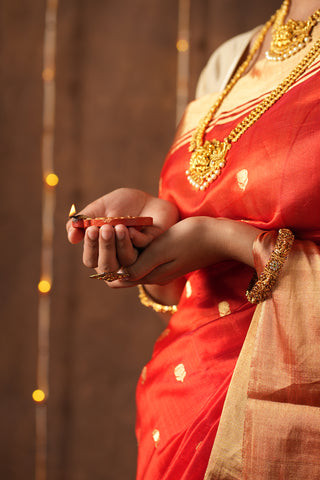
{"x": 289, "y": 39}
{"x": 206, "y": 163}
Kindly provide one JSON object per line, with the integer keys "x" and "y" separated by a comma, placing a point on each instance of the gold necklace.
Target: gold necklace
{"x": 291, "y": 37}
{"x": 209, "y": 157}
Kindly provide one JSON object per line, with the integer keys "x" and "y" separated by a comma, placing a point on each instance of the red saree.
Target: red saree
{"x": 271, "y": 180}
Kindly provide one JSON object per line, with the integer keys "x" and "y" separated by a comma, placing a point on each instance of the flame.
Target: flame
{"x": 72, "y": 210}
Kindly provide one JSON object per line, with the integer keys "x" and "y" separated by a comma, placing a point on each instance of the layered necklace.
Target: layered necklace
{"x": 209, "y": 157}
{"x": 289, "y": 38}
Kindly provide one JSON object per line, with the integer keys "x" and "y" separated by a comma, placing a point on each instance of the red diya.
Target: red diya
{"x": 83, "y": 221}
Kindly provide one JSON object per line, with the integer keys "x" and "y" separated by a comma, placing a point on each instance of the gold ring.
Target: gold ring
{"x": 110, "y": 276}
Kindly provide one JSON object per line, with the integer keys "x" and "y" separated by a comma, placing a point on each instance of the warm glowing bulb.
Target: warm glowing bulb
{"x": 44, "y": 286}
{"x": 38, "y": 395}
{"x": 72, "y": 210}
{"x": 48, "y": 74}
{"x": 52, "y": 179}
{"x": 182, "y": 45}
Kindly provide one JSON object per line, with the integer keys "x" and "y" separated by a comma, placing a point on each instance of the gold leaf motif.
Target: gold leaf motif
{"x": 144, "y": 375}
{"x": 160, "y": 185}
{"x": 156, "y": 437}
{"x": 180, "y": 373}
{"x": 188, "y": 288}
{"x": 224, "y": 309}
{"x": 242, "y": 178}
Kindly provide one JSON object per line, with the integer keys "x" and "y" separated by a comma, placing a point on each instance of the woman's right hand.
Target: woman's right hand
{"x": 109, "y": 248}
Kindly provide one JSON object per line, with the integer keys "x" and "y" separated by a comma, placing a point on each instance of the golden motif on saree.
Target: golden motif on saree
{"x": 180, "y": 373}
{"x": 224, "y": 308}
{"x": 156, "y": 437}
{"x": 291, "y": 37}
{"x": 144, "y": 375}
{"x": 209, "y": 157}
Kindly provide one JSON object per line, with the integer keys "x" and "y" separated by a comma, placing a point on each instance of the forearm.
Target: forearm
{"x": 217, "y": 240}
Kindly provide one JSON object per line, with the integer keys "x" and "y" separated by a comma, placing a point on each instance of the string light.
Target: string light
{"x": 182, "y": 46}
{"x": 50, "y": 181}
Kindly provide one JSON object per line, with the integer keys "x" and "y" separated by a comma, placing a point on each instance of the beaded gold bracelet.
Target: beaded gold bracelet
{"x": 147, "y": 301}
{"x": 261, "y": 288}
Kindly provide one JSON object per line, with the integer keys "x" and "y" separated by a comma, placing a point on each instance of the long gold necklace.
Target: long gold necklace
{"x": 291, "y": 37}
{"x": 209, "y": 157}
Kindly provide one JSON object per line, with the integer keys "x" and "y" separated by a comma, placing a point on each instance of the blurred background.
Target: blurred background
{"x": 89, "y": 92}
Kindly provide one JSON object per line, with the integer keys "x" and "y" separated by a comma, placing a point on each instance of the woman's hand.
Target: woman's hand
{"x": 109, "y": 248}
{"x": 191, "y": 244}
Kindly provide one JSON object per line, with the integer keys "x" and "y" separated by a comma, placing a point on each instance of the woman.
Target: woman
{"x": 241, "y": 175}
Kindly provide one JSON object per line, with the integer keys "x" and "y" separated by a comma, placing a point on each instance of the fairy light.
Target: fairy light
{"x": 52, "y": 180}
{"x": 44, "y": 286}
{"x": 183, "y": 50}
{"x": 182, "y": 45}
{"x": 48, "y": 74}
{"x": 40, "y": 396}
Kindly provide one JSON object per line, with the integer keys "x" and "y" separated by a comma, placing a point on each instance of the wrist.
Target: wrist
{"x": 238, "y": 241}
{"x": 168, "y": 294}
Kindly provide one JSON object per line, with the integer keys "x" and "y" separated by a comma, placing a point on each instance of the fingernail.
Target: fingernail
{"x": 120, "y": 233}
{"x": 92, "y": 233}
{"x": 106, "y": 233}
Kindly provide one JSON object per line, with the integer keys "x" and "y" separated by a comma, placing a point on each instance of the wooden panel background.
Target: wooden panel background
{"x": 116, "y": 87}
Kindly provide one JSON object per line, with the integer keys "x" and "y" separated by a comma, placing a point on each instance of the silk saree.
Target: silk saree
{"x": 192, "y": 423}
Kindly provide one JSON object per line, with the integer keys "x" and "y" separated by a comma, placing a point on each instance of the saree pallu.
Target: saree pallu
{"x": 271, "y": 180}
{"x": 270, "y": 424}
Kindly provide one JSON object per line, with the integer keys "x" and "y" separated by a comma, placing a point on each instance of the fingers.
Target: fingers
{"x": 99, "y": 249}
{"x": 108, "y": 248}
{"x": 126, "y": 253}
{"x": 155, "y": 264}
{"x": 141, "y": 239}
{"x": 75, "y": 235}
{"x": 91, "y": 247}
{"x": 107, "y": 260}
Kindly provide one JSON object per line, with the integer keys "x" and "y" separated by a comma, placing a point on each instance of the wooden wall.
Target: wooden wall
{"x": 115, "y": 119}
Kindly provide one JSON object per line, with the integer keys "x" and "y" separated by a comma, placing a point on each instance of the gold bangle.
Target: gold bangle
{"x": 261, "y": 288}
{"x": 147, "y": 301}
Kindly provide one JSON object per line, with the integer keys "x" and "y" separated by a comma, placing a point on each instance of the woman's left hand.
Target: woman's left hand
{"x": 191, "y": 244}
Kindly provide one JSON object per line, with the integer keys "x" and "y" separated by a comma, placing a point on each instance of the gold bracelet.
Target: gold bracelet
{"x": 261, "y": 288}
{"x": 147, "y": 301}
